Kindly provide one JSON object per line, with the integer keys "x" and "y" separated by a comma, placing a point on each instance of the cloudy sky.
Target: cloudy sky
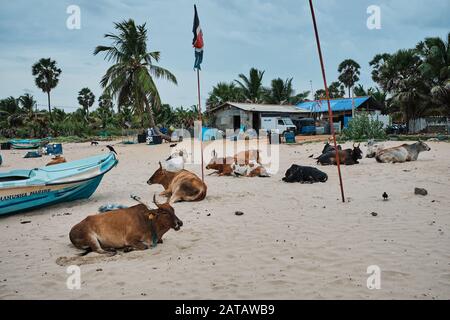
{"x": 275, "y": 36}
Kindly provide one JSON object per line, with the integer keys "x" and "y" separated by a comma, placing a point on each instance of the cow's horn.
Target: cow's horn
{"x": 160, "y": 165}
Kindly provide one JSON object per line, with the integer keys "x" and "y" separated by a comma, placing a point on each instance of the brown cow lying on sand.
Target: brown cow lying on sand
{"x": 134, "y": 228}
{"x": 56, "y": 160}
{"x": 179, "y": 186}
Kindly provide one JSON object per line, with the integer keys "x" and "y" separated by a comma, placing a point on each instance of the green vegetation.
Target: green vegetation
{"x": 362, "y": 127}
{"x": 411, "y": 83}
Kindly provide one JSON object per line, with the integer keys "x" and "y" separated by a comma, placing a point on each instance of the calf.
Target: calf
{"x": 179, "y": 186}
{"x": 347, "y": 156}
{"x": 57, "y": 159}
{"x": 304, "y": 174}
{"x": 134, "y": 228}
{"x": 405, "y": 152}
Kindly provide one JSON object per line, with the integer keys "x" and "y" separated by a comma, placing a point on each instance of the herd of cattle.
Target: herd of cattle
{"x": 139, "y": 227}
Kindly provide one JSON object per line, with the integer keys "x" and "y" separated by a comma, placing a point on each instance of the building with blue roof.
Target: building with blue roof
{"x": 342, "y": 109}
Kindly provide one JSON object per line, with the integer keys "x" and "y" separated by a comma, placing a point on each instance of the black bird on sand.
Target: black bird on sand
{"x": 111, "y": 149}
{"x": 385, "y": 196}
{"x": 173, "y": 145}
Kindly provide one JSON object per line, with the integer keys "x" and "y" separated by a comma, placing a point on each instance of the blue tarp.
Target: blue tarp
{"x": 343, "y": 104}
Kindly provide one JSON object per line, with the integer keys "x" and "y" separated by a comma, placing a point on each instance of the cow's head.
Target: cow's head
{"x": 165, "y": 216}
{"x": 158, "y": 176}
{"x": 357, "y": 152}
{"x": 422, "y": 146}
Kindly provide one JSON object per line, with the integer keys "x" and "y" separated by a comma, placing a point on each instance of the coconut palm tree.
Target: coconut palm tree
{"x": 435, "y": 67}
{"x": 47, "y": 74}
{"x": 105, "y": 110}
{"x": 223, "y": 92}
{"x": 86, "y": 99}
{"x": 349, "y": 73}
{"x": 252, "y": 88}
{"x": 133, "y": 72}
{"x": 335, "y": 90}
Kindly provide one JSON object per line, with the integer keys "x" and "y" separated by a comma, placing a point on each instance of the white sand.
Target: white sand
{"x": 294, "y": 241}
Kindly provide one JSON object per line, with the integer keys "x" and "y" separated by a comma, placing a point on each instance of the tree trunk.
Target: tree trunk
{"x": 49, "y": 107}
{"x": 151, "y": 117}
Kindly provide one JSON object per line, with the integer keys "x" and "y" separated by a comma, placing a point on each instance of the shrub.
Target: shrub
{"x": 362, "y": 127}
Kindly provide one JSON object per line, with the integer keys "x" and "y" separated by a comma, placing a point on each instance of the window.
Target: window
{"x": 281, "y": 122}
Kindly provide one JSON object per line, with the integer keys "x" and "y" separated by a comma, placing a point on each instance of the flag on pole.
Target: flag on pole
{"x": 197, "y": 42}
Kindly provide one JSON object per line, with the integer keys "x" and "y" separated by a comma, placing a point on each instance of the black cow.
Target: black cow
{"x": 347, "y": 156}
{"x": 304, "y": 174}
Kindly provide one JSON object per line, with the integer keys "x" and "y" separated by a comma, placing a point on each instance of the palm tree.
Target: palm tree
{"x": 28, "y": 104}
{"x": 46, "y": 73}
{"x": 223, "y": 92}
{"x": 252, "y": 88}
{"x": 399, "y": 75}
{"x": 86, "y": 99}
{"x": 349, "y": 73}
{"x": 105, "y": 110}
{"x": 435, "y": 67}
{"x": 280, "y": 91}
{"x": 131, "y": 75}
{"x": 335, "y": 90}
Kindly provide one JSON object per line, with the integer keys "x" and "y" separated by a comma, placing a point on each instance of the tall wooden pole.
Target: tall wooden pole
{"x": 201, "y": 122}
{"x": 330, "y": 113}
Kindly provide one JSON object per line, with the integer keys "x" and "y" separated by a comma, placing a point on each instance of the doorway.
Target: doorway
{"x": 236, "y": 123}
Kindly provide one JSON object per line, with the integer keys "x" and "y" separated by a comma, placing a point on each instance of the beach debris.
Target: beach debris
{"x": 374, "y": 214}
{"x": 311, "y": 156}
{"x": 26, "y": 221}
{"x": 420, "y": 191}
{"x": 385, "y": 196}
{"x": 173, "y": 145}
{"x": 111, "y": 149}
{"x": 239, "y": 213}
{"x": 99, "y": 269}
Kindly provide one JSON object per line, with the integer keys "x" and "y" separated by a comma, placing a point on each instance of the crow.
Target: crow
{"x": 111, "y": 149}
{"x": 94, "y": 143}
{"x": 385, "y": 196}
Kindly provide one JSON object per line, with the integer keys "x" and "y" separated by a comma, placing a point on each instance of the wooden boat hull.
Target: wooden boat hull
{"x": 20, "y": 198}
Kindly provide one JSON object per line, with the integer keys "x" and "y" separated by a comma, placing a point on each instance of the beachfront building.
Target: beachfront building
{"x": 342, "y": 109}
{"x": 243, "y": 116}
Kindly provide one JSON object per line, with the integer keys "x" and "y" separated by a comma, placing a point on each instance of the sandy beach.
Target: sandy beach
{"x": 294, "y": 241}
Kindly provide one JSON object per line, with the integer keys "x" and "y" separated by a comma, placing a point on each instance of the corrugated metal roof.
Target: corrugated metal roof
{"x": 343, "y": 104}
{"x": 266, "y": 107}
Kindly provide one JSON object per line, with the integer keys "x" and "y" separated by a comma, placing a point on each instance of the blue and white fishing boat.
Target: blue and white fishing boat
{"x": 22, "y": 190}
{"x": 27, "y": 143}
